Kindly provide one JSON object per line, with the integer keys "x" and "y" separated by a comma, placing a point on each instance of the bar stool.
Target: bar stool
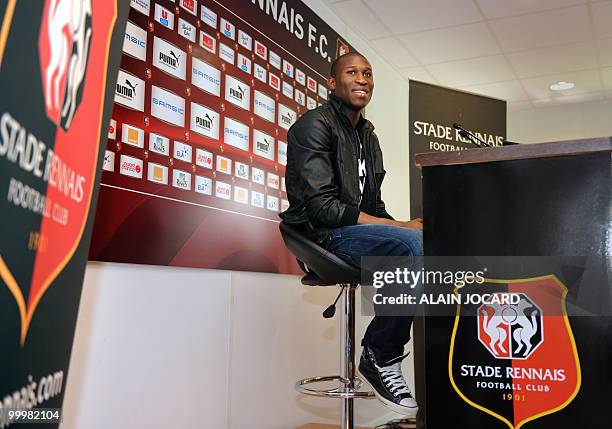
{"x": 323, "y": 268}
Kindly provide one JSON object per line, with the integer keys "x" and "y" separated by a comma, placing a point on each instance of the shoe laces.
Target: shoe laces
{"x": 394, "y": 379}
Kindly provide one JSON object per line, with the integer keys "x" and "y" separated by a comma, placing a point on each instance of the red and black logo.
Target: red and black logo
{"x": 517, "y": 358}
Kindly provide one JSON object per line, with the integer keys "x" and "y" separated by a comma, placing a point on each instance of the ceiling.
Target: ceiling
{"x": 508, "y": 49}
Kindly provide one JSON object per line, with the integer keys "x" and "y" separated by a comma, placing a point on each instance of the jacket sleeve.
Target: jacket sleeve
{"x": 311, "y": 152}
{"x": 379, "y": 173}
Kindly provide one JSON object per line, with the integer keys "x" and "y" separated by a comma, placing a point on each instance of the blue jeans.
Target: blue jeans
{"x": 386, "y": 336}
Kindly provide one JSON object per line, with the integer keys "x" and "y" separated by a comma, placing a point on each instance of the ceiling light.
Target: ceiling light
{"x": 562, "y": 86}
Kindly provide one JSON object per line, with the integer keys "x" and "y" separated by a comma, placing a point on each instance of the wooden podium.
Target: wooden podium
{"x": 548, "y": 199}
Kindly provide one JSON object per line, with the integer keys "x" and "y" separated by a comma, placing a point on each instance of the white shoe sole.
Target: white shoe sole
{"x": 400, "y": 409}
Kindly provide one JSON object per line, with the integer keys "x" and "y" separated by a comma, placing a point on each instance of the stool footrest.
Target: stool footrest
{"x": 341, "y": 391}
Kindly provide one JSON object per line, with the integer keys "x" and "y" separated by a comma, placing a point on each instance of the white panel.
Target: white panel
{"x": 355, "y": 13}
{"x": 393, "y": 51}
{"x": 205, "y": 76}
{"x": 162, "y": 367}
{"x": 204, "y": 121}
{"x": 448, "y": 44}
{"x": 472, "y": 72}
{"x": 541, "y": 62}
{"x": 135, "y": 41}
{"x": 167, "y": 106}
{"x": 236, "y": 134}
{"x": 130, "y": 91}
{"x": 169, "y": 58}
{"x": 602, "y": 17}
{"x": 403, "y": 16}
{"x": 502, "y": 8}
{"x": 544, "y": 29}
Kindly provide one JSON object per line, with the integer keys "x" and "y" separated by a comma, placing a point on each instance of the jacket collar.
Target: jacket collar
{"x": 362, "y": 124}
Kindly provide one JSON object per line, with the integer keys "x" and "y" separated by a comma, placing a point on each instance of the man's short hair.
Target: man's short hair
{"x": 336, "y": 62}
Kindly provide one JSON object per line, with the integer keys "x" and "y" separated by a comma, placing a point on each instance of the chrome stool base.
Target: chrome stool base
{"x": 341, "y": 391}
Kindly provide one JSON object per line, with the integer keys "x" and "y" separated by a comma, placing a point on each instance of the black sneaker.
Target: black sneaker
{"x": 388, "y": 383}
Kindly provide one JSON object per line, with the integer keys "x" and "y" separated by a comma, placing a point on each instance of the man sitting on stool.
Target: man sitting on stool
{"x": 333, "y": 177}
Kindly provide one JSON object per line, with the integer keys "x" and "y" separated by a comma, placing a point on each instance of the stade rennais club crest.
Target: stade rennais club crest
{"x": 51, "y": 119}
{"x": 517, "y": 362}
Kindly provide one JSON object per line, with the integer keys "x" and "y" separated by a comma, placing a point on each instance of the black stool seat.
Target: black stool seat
{"x": 324, "y": 268}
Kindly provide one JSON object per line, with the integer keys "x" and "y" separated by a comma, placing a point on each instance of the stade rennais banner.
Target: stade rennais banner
{"x": 197, "y": 144}
{"x": 58, "y": 64}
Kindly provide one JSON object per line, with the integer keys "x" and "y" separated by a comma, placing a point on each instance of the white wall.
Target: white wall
{"x": 568, "y": 122}
{"x": 162, "y": 347}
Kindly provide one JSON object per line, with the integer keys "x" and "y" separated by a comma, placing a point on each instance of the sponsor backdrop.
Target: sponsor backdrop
{"x": 432, "y": 112}
{"x": 57, "y": 60}
{"x": 197, "y": 145}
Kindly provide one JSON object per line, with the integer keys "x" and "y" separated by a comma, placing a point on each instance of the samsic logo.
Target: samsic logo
{"x": 64, "y": 46}
{"x": 135, "y": 41}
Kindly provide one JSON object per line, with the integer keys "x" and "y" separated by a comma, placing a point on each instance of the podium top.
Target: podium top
{"x": 508, "y": 153}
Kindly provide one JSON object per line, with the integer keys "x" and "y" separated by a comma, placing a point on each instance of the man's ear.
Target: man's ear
{"x": 331, "y": 83}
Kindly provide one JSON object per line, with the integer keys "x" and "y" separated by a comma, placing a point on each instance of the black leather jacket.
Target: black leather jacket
{"x": 322, "y": 176}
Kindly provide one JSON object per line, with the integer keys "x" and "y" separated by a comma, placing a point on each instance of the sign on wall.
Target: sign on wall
{"x": 196, "y": 153}
{"x": 432, "y": 112}
{"x": 56, "y": 63}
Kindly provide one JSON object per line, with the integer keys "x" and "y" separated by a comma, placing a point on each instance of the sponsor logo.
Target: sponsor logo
{"x": 204, "y": 158}
{"x": 157, "y": 173}
{"x": 203, "y": 185}
{"x": 204, "y": 121}
{"x": 224, "y": 165}
{"x": 260, "y": 50}
{"x": 135, "y": 41}
{"x": 236, "y": 134}
{"x": 205, "y": 77}
{"x": 190, "y": 6}
{"x": 228, "y": 29}
{"x": 287, "y": 90}
{"x": 283, "y": 186}
{"x": 109, "y": 161}
{"x": 226, "y": 53}
{"x": 112, "y": 129}
{"x": 237, "y": 92}
{"x": 264, "y": 106}
{"x": 208, "y": 42}
{"x": 300, "y": 97}
{"x": 286, "y": 116}
{"x": 245, "y": 40}
{"x": 241, "y": 170}
{"x": 130, "y": 166}
{"x": 323, "y": 92}
{"x": 311, "y": 103}
{"x": 168, "y": 58}
{"x": 64, "y": 43}
{"x": 186, "y": 30}
{"x": 132, "y": 135}
{"x": 208, "y": 16}
{"x": 341, "y": 48}
{"x": 300, "y": 77}
{"x": 282, "y": 153}
{"x": 183, "y": 152}
{"x": 275, "y": 81}
{"x": 129, "y": 91}
{"x": 142, "y": 6}
{"x": 257, "y": 199}
{"x": 167, "y": 106}
{"x": 223, "y": 190}
{"x": 273, "y": 181}
{"x": 312, "y": 84}
{"x": 181, "y": 180}
{"x": 244, "y": 63}
{"x": 241, "y": 195}
{"x": 159, "y": 144}
{"x": 275, "y": 60}
{"x": 284, "y": 205}
{"x": 257, "y": 176}
{"x": 288, "y": 68}
{"x": 531, "y": 366}
{"x": 272, "y": 203}
{"x": 164, "y": 16}
{"x": 260, "y": 73}
{"x": 263, "y": 145}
